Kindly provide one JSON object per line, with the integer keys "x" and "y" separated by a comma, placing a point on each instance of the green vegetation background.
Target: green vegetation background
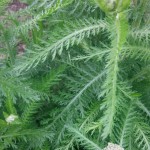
{"x": 74, "y": 74}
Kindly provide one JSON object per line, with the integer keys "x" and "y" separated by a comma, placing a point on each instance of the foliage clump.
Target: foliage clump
{"x": 75, "y": 75}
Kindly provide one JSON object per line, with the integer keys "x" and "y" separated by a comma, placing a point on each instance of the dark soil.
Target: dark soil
{"x": 16, "y": 5}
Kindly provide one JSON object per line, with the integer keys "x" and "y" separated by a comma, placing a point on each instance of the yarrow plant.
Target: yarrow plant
{"x": 74, "y": 75}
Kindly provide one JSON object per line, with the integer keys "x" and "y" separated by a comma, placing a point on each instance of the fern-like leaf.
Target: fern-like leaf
{"x": 78, "y": 30}
{"x": 80, "y": 137}
{"x": 142, "y": 136}
{"x": 30, "y": 24}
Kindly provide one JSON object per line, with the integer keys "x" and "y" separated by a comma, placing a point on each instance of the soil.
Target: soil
{"x": 16, "y": 5}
